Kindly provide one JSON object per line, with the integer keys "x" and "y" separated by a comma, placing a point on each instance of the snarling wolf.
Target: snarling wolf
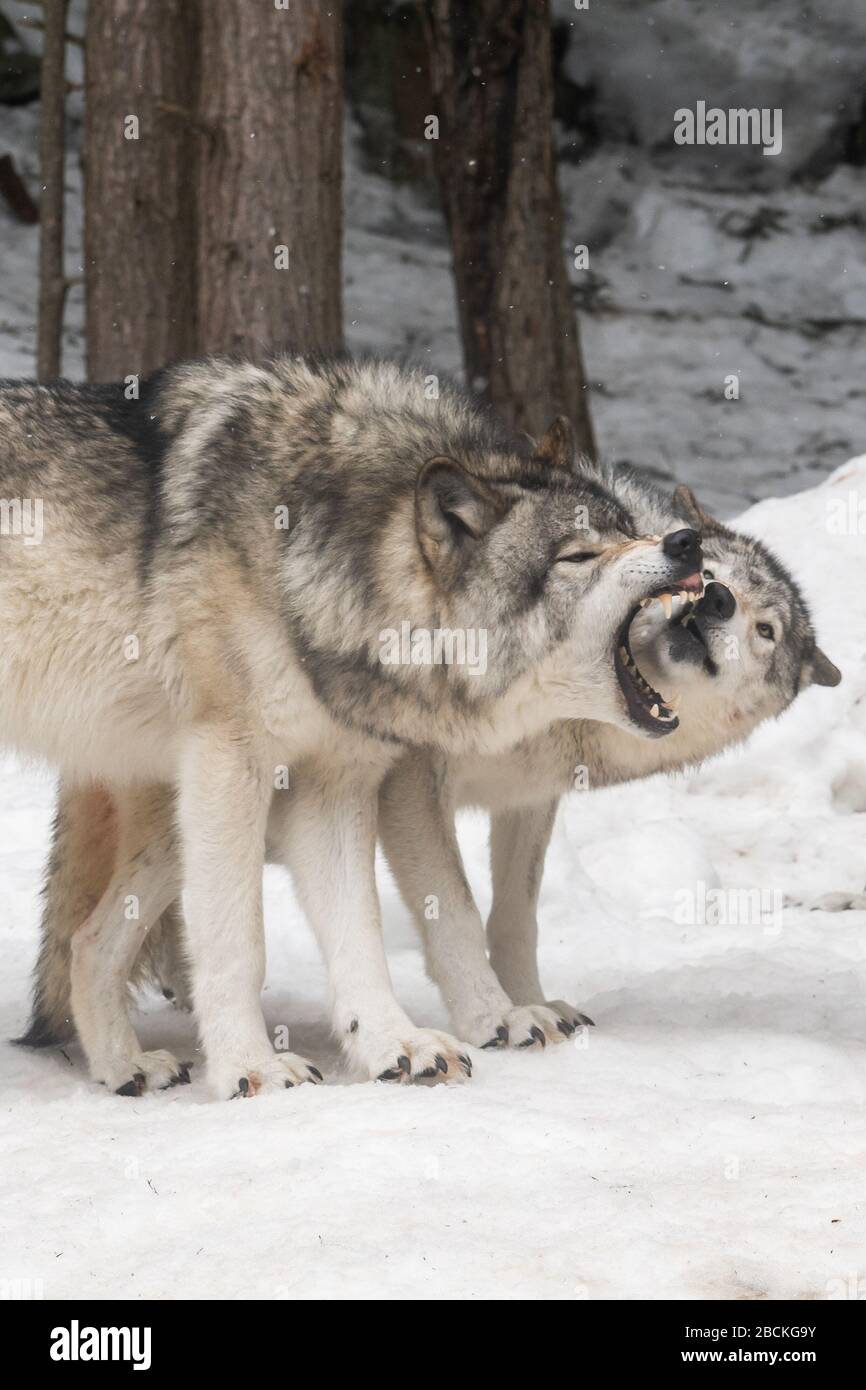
{"x": 205, "y": 611}
{"x": 737, "y": 656}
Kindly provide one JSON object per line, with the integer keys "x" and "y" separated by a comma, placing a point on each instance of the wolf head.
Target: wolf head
{"x": 465, "y": 584}
{"x": 739, "y": 655}
{"x": 551, "y": 565}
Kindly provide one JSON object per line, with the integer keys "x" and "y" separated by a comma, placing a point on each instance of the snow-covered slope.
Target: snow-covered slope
{"x": 706, "y": 1140}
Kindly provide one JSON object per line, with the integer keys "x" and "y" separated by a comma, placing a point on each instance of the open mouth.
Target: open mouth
{"x": 689, "y": 624}
{"x": 648, "y": 709}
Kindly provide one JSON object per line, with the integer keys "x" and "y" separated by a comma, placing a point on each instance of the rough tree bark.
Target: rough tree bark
{"x": 52, "y": 280}
{"x": 269, "y": 176}
{"x": 139, "y": 229}
{"x": 493, "y": 93}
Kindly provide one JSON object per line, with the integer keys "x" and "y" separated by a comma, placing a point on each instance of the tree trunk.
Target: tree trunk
{"x": 139, "y": 237}
{"x": 52, "y": 113}
{"x": 492, "y": 81}
{"x": 269, "y": 176}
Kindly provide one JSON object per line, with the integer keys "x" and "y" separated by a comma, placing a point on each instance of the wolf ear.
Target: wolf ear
{"x": 693, "y": 512}
{"x": 823, "y": 671}
{"x": 556, "y": 446}
{"x": 453, "y": 510}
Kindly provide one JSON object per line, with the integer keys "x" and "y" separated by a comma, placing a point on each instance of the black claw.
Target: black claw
{"x": 538, "y": 1035}
{"x": 502, "y": 1032}
{"x": 133, "y": 1087}
{"x": 586, "y": 1020}
{"x": 498, "y": 1041}
{"x": 428, "y": 1071}
{"x": 441, "y": 1064}
{"x": 390, "y": 1075}
{"x": 288, "y": 1085}
{"x": 182, "y": 1078}
{"x": 244, "y": 1086}
{"x": 565, "y": 1027}
{"x": 316, "y": 1073}
{"x": 465, "y": 1060}
{"x": 404, "y": 1064}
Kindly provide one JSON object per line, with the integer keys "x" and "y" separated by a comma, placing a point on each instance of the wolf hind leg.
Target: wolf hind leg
{"x": 83, "y": 849}
{"x": 162, "y": 960}
{"x": 143, "y": 884}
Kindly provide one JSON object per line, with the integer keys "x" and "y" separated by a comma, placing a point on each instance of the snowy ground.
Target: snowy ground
{"x": 708, "y": 1141}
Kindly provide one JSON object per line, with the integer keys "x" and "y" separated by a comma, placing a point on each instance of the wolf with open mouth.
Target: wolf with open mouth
{"x": 728, "y": 658}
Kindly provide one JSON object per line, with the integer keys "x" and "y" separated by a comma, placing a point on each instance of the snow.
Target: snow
{"x": 705, "y": 1140}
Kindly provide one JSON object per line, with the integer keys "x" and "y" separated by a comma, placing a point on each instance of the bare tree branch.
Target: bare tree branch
{"x": 51, "y": 160}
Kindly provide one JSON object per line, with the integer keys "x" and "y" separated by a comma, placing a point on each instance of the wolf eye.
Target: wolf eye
{"x": 577, "y": 557}
{"x": 766, "y": 630}
{"x": 709, "y": 574}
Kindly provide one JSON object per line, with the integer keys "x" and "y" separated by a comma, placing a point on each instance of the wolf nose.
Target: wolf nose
{"x": 718, "y": 602}
{"x": 684, "y": 545}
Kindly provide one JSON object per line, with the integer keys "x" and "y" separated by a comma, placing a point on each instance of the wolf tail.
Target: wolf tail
{"x": 83, "y": 849}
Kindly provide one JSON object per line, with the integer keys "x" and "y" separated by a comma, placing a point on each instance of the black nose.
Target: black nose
{"x": 718, "y": 602}
{"x": 683, "y": 545}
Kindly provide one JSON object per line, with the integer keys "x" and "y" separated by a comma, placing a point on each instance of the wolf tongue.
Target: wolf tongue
{"x": 693, "y": 582}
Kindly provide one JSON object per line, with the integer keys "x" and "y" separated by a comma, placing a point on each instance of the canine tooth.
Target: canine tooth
{"x": 667, "y": 603}
{"x": 655, "y": 711}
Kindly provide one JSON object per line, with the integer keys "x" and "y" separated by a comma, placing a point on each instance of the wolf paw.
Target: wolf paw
{"x": 144, "y": 1071}
{"x": 279, "y": 1071}
{"x": 528, "y": 1025}
{"x": 413, "y": 1055}
{"x": 569, "y": 1014}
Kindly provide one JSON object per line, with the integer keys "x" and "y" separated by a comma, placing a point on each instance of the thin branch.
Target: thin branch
{"x": 51, "y": 161}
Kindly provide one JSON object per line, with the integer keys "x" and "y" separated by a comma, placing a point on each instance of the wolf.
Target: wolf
{"x": 738, "y": 655}
{"x": 222, "y": 559}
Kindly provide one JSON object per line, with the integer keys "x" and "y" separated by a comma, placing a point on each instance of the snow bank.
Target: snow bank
{"x": 706, "y": 1141}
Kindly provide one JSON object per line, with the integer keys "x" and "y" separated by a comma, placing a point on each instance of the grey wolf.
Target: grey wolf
{"x": 205, "y": 613}
{"x": 738, "y": 656}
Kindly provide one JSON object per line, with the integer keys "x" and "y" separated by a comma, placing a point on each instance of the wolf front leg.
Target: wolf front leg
{"x": 417, "y": 831}
{"x": 327, "y": 837}
{"x": 223, "y": 804}
{"x": 518, "y": 845}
